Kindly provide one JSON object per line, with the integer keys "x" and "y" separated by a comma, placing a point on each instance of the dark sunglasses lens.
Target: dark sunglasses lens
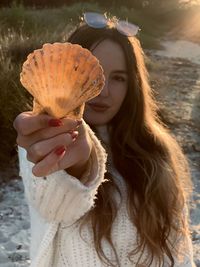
{"x": 127, "y": 28}
{"x": 95, "y": 20}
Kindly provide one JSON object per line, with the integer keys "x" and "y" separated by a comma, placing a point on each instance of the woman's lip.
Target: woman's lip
{"x": 98, "y": 107}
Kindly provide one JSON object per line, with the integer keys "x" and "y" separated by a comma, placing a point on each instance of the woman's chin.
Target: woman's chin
{"x": 95, "y": 120}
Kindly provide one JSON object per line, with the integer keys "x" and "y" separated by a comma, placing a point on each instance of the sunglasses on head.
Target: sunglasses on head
{"x": 99, "y": 21}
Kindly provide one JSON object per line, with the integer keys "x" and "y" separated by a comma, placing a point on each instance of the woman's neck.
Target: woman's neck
{"x": 102, "y": 132}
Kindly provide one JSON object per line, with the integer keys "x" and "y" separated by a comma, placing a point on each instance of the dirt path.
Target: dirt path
{"x": 177, "y": 82}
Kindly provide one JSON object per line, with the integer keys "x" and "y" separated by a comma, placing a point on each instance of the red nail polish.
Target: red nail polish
{"x": 55, "y": 122}
{"x": 59, "y": 151}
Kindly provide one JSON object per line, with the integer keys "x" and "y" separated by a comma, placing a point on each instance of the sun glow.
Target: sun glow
{"x": 190, "y": 2}
{"x": 191, "y": 27}
{"x": 188, "y": 26}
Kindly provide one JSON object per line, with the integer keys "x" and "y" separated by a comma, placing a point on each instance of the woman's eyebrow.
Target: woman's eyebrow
{"x": 120, "y": 71}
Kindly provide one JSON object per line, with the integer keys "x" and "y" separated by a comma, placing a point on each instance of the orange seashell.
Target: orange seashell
{"x": 62, "y": 77}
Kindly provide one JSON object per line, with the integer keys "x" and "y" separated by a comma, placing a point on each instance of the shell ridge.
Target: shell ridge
{"x": 62, "y": 68}
{"x": 64, "y": 72}
{"x": 45, "y": 59}
{"x": 39, "y": 67}
{"x": 32, "y": 77}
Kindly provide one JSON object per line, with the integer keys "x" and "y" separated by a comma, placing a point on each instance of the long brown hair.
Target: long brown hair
{"x": 147, "y": 156}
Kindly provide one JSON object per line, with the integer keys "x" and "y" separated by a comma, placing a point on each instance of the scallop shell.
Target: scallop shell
{"x": 62, "y": 77}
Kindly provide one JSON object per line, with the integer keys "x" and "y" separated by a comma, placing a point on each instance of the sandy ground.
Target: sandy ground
{"x": 177, "y": 83}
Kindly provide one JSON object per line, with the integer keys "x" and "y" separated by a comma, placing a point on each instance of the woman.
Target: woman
{"x": 135, "y": 214}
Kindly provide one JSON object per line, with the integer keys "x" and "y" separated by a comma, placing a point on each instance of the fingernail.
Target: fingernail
{"x": 59, "y": 151}
{"x": 55, "y": 122}
{"x": 74, "y": 134}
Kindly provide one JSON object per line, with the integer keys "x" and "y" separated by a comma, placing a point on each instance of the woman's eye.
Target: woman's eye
{"x": 119, "y": 78}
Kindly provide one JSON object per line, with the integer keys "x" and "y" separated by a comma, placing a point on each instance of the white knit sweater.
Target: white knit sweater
{"x": 57, "y": 202}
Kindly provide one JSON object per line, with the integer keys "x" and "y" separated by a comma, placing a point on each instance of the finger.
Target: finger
{"x": 76, "y": 154}
{"x": 50, "y": 163}
{"x": 46, "y": 133}
{"x": 27, "y": 122}
{"x": 39, "y": 150}
{"x": 71, "y": 157}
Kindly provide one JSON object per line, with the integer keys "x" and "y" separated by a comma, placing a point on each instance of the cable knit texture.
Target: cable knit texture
{"x": 57, "y": 202}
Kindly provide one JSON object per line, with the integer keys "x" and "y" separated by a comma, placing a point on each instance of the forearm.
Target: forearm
{"x": 78, "y": 170}
{"x": 61, "y": 196}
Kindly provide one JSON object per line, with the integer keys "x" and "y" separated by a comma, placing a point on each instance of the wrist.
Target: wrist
{"x": 78, "y": 169}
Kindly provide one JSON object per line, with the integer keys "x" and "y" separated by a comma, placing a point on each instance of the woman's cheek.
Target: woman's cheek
{"x": 119, "y": 93}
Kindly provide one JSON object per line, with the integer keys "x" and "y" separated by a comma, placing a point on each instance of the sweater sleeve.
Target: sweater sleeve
{"x": 60, "y": 197}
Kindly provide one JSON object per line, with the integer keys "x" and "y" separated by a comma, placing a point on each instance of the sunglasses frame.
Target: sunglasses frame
{"x": 100, "y": 21}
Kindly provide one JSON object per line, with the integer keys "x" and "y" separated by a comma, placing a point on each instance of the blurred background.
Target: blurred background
{"x": 170, "y": 36}
{"x": 26, "y": 24}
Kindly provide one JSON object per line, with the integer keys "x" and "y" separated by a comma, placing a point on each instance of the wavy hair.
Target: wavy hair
{"x": 149, "y": 159}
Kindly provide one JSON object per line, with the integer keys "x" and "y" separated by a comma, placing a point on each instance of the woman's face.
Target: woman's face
{"x": 101, "y": 109}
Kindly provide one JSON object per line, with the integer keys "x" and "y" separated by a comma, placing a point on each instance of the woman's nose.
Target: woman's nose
{"x": 105, "y": 90}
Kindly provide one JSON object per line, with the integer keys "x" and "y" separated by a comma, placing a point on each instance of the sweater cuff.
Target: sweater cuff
{"x": 60, "y": 197}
